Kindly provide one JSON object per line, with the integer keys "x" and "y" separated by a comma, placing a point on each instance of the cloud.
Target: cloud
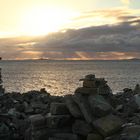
{"x": 127, "y": 2}
{"x": 108, "y": 41}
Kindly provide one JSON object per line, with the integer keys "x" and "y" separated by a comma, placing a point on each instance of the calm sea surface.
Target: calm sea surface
{"x": 62, "y": 77}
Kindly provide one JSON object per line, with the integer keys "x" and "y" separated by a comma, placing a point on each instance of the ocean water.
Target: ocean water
{"x": 62, "y": 77}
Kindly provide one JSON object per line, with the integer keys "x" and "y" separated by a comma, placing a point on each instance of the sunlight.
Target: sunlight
{"x": 42, "y": 20}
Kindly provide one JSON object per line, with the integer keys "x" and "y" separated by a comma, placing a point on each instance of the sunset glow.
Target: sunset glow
{"x": 43, "y": 20}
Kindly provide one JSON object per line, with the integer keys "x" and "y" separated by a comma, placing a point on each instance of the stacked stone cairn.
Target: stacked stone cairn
{"x": 91, "y": 113}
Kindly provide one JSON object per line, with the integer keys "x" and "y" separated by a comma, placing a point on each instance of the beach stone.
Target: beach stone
{"x": 108, "y": 125}
{"x": 66, "y": 136}
{"x": 81, "y": 127}
{"x": 84, "y": 90}
{"x": 100, "y": 105}
{"x": 137, "y": 100}
{"x": 58, "y": 121}
{"x": 131, "y": 133}
{"x": 73, "y": 107}
{"x": 84, "y": 107}
{"x": 58, "y": 109}
{"x": 89, "y": 84}
{"x": 94, "y": 136}
{"x": 37, "y": 121}
{"x": 4, "y": 132}
{"x": 104, "y": 89}
{"x": 137, "y": 89}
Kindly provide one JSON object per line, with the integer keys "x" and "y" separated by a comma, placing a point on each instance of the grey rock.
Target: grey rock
{"x": 108, "y": 125}
{"x": 84, "y": 107}
{"x": 73, "y": 107}
{"x": 100, "y": 105}
{"x": 81, "y": 127}
{"x": 137, "y": 89}
{"x": 87, "y": 91}
{"x": 59, "y": 109}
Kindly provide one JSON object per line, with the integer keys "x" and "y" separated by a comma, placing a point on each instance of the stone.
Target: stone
{"x": 94, "y": 136}
{"x": 104, "y": 90}
{"x": 58, "y": 121}
{"x": 90, "y": 77}
{"x": 59, "y": 109}
{"x": 89, "y": 84}
{"x": 137, "y": 89}
{"x": 4, "y": 132}
{"x": 108, "y": 125}
{"x": 131, "y": 133}
{"x": 37, "y": 121}
{"x": 66, "y": 136}
{"x": 73, "y": 107}
{"x": 81, "y": 127}
{"x": 84, "y": 107}
{"x": 137, "y": 100}
{"x": 100, "y": 105}
{"x": 87, "y": 91}
{"x": 54, "y": 138}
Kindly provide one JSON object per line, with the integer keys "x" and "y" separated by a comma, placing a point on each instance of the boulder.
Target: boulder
{"x": 100, "y": 105}
{"x": 59, "y": 109}
{"x": 108, "y": 125}
{"x": 94, "y": 136}
{"x": 89, "y": 84}
{"x": 73, "y": 107}
{"x": 58, "y": 121}
{"x": 84, "y": 107}
{"x": 131, "y": 133}
{"x": 86, "y": 91}
{"x": 81, "y": 127}
{"x": 37, "y": 121}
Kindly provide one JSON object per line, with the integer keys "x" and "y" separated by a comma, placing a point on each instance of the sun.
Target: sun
{"x": 42, "y": 20}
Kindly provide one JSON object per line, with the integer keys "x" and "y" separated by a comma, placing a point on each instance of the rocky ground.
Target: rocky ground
{"x": 91, "y": 113}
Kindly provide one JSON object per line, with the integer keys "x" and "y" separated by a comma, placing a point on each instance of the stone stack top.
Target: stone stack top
{"x": 93, "y": 85}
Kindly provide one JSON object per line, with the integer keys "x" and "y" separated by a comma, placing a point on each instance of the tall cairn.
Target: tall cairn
{"x": 2, "y": 90}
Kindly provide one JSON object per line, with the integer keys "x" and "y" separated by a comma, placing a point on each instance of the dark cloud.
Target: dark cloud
{"x": 118, "y": 41}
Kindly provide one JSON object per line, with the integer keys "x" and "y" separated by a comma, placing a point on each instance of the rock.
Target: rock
{"x": 73, "y": 107}
{"x": 37, "y": 121}
{"x": 108, "y": 125}
{"x": 104, "y": 90}
{"x": 90, "y": 77}
{"x": 137, "y": 89}
{"x": 84, "y": 107}
{"x": 100, "y": 105}
{"x": 84, "y": 90}
{"x": 137, "y": 100}
{"x": 66, "y": 136}
{"x": 54, "y": 138}
{"x": 59, "y": 109}
{"x": 81, "y": 127}
{"x": 131, "y": 133}
{"x": 4, "y": 132}
{"x": 58, "y": 121}
{"x": 89, "y": 84}
{"x": 94, "y": 136}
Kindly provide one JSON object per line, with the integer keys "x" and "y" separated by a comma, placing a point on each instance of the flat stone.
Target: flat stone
{"x": 100, "y": 105}
{"x": 81, "y": 127}
{"x": 59, "y": 109}
{"x": 73, "y": 107}
{"x": 84, "y": 107}
{"x": 84, "y": 90}
{"x": 89, "y": 84}
{"x": 94, "y": 136}
{"x": 108, "y": 125}
{"x": 58, "y": 121}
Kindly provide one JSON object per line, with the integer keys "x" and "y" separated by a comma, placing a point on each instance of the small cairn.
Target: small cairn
{"x": 2, "y": 90}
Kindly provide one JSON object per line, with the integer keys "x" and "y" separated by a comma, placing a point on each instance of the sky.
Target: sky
{"x": 70, "y": 30}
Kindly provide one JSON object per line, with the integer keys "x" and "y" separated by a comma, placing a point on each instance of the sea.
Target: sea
{"x": 62, "y": 77}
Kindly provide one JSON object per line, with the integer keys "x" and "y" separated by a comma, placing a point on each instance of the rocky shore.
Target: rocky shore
{"x": 91, "y": 113}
